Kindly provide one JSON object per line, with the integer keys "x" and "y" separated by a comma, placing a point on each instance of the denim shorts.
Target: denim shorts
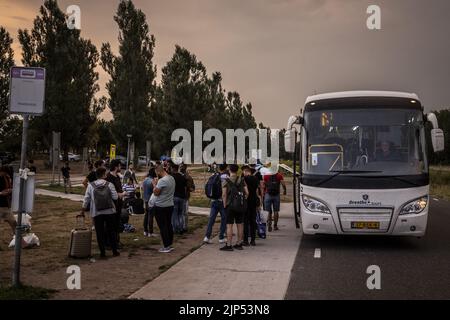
{"x": 271, "y": 203}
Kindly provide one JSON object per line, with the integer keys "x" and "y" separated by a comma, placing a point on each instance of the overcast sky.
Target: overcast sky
{"x": 277, "y": 52}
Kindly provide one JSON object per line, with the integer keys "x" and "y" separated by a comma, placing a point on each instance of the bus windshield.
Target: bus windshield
{"x": 363, "y": 141}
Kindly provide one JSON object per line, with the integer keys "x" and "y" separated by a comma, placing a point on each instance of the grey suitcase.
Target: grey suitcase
{"x": 80, "y": 240}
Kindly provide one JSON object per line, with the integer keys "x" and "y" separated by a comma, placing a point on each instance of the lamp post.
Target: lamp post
{"x": 129, "y": 136}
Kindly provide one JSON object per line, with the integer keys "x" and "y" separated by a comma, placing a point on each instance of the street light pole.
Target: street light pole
{"x": 128, "y": 151}
{"x": 22, "y": 200}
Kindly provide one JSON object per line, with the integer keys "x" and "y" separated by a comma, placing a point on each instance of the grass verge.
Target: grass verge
{"x": 440, "y": 183}
{"x": 60, "y": 188}
{"x": 25, "y": 293}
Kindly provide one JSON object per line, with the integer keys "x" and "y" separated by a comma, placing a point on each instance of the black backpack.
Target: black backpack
{"x": 273, "y": 186}
{"x": 213, "y": 188}
{"x": 102, "y": 197}
{"x": 236, "y": 197}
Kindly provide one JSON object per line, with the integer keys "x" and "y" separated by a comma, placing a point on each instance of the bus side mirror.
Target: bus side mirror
{"x": 289, "y": 135}
{"x": 289, "y": 140}
{"x": 437, "y": 135}
{"x": 437, "y": 140}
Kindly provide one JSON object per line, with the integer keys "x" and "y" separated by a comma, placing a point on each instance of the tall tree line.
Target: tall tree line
{"x": 71, "y": 79}
{"x": 139, "y": 105}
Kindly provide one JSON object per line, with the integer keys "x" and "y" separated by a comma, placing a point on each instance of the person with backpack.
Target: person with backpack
{"x": 5, "y": 199}
{"x": 213, "y": 190}
{"x": 272, "y": 197}
{"x": 99, "y": 198}
{"x": 234, "y": 196}
{"x": 253, "y": 202}
{"x": 114, "y": 178}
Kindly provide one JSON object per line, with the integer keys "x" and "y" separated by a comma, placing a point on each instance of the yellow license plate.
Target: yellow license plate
{"x": 366, "y": 225}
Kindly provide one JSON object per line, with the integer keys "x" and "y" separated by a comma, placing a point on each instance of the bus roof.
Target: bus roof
{"x": 361, "y": 94}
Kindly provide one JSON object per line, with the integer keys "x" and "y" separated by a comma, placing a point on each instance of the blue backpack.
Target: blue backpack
{"x": 213, "y": 188}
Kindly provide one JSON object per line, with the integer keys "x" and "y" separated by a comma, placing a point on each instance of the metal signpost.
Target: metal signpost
{"x": 85, "y": 159}
{"x": 56, "y": 151}
{"x": 148, "y": 152}
{"x": 26, "y": 98}
{"x": 129, "y": 136}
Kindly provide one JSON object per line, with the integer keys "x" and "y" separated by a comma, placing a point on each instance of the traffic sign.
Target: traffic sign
{"x": 112, "y": 152}
{"x": 27, "y": 90}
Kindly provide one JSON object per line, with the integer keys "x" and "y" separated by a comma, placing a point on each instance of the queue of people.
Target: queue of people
{"x": 238, "y": 199}
{"x": 165, "y": 195}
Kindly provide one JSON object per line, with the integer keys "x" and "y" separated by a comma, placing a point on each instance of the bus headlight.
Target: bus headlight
{"x": 314, "y": 205}
{"x": 415, "y": 206}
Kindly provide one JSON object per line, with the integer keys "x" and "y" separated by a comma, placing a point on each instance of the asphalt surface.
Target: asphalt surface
{"x": 411, "y": 268}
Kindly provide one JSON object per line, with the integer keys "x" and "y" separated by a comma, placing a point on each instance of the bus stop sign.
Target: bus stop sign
{"x": 27, "y": 91}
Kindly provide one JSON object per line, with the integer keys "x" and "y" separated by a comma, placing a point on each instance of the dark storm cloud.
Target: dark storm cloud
{"x": 276, "y": 53}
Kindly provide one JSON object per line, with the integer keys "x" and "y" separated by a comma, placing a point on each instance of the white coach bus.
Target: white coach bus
{"x": 363, "y": 163}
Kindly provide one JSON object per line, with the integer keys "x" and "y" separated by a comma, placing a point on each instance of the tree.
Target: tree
{"x": 11, "y": 135}
{"x": 132, "y": 86}
{"x": 71, "y": 79}
{"x": 104, "y": 137}
{"x": 187, "y": 94}
{"x": 6, "y": 62}
{"x": 182, "y": 97}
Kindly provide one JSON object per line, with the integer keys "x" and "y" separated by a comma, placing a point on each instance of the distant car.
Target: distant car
{"x": 6, "y": 157}
{"x": 122, "y": 159}
{"x": 71, "y": 157}
{"x": 142, "y": 161}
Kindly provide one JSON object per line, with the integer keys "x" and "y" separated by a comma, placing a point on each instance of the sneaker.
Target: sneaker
{"x": 207, "y": 240}
{"x": 275, "y": 228}
{"x": 116, "y": 254}
{"x": 164, "y": 250}
{"x": 253, "y": 243}
{"x": 171, "y": 249}
{"x": 226, "y": 248}
{"x": 245, "y": 243}
{"x": 238, "y": 246}
{"x": 222, "y": 240}
{"x": 146, "y": 234}
{"x": 270, "y": 228}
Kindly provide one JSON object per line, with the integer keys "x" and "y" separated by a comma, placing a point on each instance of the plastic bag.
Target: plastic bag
{"x": 264, "y": 216}
{"x": 129, "y": 228}
{"x": 26, "y": 221}
{"x": 29, "y": 240}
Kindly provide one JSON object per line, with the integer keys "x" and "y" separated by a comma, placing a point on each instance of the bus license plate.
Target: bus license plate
{"x": 366, "y": 225}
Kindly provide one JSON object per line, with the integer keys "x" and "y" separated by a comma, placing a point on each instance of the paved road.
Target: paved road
{"x": 260, "y": 272}
{"x": 411, "y": 268}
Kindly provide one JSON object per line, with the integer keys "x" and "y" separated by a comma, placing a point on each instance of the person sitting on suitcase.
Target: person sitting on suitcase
{"x": 99, "y": 197}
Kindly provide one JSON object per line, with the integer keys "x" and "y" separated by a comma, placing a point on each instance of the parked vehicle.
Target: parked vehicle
{"x": 363, "y": 163}
{"x": 142, "y": 161}
{"x": 122, "y": 159}
{"x": 71, "y": 157}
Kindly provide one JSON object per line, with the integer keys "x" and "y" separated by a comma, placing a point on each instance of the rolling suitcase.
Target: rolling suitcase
{"x": 80, "y": 240}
